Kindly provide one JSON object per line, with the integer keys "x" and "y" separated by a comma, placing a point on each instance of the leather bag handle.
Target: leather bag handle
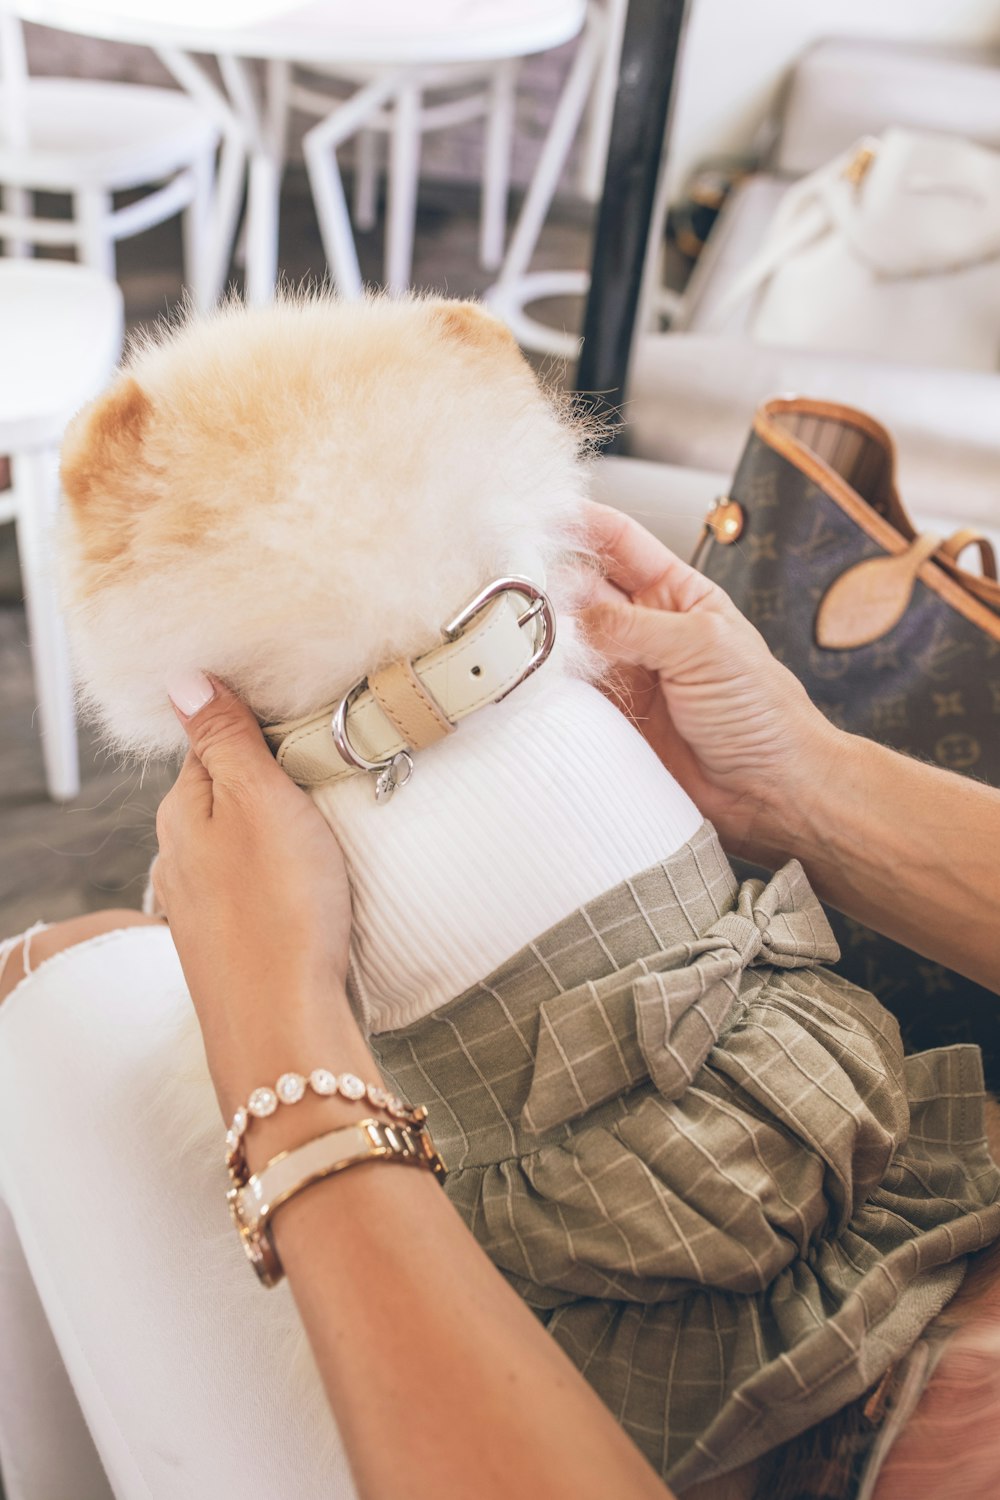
{"x": 983, "y": 586}
{"x": 788, "y": 425}
{"x": 956, "y": 544}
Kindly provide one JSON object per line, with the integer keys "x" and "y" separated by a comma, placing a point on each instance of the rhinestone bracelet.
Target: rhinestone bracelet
{"x": 290, "y": 1088}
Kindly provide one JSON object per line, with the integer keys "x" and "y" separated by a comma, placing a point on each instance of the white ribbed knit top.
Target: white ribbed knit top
{"x": 531, "y": 808}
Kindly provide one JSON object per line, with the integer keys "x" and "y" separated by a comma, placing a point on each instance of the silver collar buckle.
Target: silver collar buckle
{"x": 397, "y": 770}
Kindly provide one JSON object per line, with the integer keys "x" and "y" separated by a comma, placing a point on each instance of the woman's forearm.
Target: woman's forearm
{"x": 442, "y": 1382}
{"x": 902, "y": 846}
{"x": 417, "y": 1335}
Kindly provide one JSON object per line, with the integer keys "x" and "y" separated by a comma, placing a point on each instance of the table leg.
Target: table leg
{"x": 319, "y": 147}
{"x": 196, "y": 230}
{"x": 366, "y": 179}
{"x": 500, "y": 123}
{"x": 597, "y": 128}
{"x": 404, "y": 177}
{"x": 231, "y": 172}
{"x": 36, "y": 490}
{"x": 264, "y": 129}
{"x": 514, "y": 286}
{"x": 231, "y": 177}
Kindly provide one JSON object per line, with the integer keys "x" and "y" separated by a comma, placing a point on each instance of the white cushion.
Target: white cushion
{"x": 82, "y": 133}
{"x": 735, "y": 238}
{"x": 842, "y": 89}
{"x": 693, "y": 392}
{"x": 62, "y": 334}
{"x": 670, "y": 502}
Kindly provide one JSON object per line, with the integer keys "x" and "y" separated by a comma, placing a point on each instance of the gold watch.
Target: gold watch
{"x": 253, "y": 1203}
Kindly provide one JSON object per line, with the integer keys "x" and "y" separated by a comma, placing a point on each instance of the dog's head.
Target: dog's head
{"x": 292, "y": 496}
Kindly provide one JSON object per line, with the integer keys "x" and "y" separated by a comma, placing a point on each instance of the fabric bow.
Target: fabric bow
{"x": 660, "y": 1017}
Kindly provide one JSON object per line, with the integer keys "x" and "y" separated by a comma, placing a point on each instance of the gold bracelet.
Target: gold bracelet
{"x": 254, "y": 1203}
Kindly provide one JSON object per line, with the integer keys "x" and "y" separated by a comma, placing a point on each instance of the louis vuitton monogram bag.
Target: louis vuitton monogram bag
{"x": 891, "y": 637}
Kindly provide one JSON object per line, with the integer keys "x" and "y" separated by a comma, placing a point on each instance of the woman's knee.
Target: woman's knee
{"x": 46, "y": 942}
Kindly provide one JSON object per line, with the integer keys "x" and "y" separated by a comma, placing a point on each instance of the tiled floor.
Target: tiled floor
{"x": 59, "y": 861}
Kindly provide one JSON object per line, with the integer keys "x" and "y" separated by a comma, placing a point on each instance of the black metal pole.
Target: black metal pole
{"x": 645, "y": 87}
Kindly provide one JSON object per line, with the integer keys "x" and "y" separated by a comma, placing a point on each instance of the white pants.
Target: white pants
{"x": 139, "y": 1357}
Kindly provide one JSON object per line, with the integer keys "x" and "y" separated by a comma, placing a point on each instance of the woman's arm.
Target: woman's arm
{"x": 442, "y": 1382}
{"x": 904, "y": 847}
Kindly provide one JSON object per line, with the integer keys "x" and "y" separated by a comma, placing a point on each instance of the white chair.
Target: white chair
{"x": 62, "y": 328}
{"x": 91, "y": 139}
{"x": 441, "y": 45}
{"x": 430, "y": 99}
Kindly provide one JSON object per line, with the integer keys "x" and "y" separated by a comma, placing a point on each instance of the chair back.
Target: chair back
{"x": 13, "y": 81}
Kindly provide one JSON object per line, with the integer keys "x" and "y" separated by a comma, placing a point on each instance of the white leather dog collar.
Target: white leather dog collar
{"x": 499, "y": 638}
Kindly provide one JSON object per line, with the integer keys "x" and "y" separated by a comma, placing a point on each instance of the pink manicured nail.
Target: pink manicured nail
{"x": 189, "y": 692}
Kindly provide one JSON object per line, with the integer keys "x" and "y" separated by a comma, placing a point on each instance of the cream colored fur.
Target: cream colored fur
{"x": 293, "y": 496}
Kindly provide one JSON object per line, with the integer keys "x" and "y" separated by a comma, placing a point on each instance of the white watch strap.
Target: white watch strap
{"x": 254, "y": 1203}
{"x": 267, "y": 1189}
{"x": 488, "y": 659}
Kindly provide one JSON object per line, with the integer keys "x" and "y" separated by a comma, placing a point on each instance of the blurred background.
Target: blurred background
{"x": 461, "y": 147}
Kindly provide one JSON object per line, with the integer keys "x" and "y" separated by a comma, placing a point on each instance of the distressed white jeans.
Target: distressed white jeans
{"x": 139, "y": 1357}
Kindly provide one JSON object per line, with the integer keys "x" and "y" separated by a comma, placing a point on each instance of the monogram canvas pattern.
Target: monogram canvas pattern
{"x": 702, "y": 1158}
{"x": 930, "y": 688}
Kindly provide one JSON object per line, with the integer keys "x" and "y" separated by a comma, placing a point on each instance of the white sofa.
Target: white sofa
{"x": 692, "y": 391}
{"x": 670, "y": 502}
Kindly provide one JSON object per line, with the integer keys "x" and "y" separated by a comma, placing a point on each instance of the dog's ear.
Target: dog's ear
{"x": 102, "y": 454}
{"x": 470, "y": 324}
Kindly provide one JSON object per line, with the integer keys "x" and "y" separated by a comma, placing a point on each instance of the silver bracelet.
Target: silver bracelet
{"x": 291, "y": 1088}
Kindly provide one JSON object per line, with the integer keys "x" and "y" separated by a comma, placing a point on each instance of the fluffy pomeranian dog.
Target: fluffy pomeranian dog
{"x": 302, "y": 493}
{"x": 293, "y": 497}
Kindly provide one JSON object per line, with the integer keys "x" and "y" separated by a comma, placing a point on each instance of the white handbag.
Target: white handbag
{"x": 891, "y": 250}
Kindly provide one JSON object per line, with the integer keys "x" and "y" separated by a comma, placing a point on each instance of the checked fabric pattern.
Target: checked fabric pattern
{"x": 702, "y": 1159}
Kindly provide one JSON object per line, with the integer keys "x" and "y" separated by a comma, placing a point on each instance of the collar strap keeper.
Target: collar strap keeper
{"x": 501, "y": 636}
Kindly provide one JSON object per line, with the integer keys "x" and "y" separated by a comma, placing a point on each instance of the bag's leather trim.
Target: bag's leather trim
{"x": 869, "y": 521}
{"x": 870, "y": 599}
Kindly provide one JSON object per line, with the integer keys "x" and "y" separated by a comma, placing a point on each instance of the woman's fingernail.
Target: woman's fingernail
{"x": 189, "y": 692}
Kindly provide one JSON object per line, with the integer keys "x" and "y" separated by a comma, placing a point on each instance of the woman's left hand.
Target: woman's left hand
{"x": 386, "y": 1277}
{"x": 255, "y": 889}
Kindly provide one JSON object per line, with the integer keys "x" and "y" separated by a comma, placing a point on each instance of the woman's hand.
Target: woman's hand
{"x": 255, "y": 889}
{"x": 387, "y": 1278}
{"x": 733, "y": 725}
{"x": 903, "y": 847}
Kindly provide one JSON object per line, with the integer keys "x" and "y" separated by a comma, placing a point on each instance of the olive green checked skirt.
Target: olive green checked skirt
{"x": 703, "y": 1159}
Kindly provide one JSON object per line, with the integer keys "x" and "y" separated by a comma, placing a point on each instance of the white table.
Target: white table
{"x": 387, "y": 38}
